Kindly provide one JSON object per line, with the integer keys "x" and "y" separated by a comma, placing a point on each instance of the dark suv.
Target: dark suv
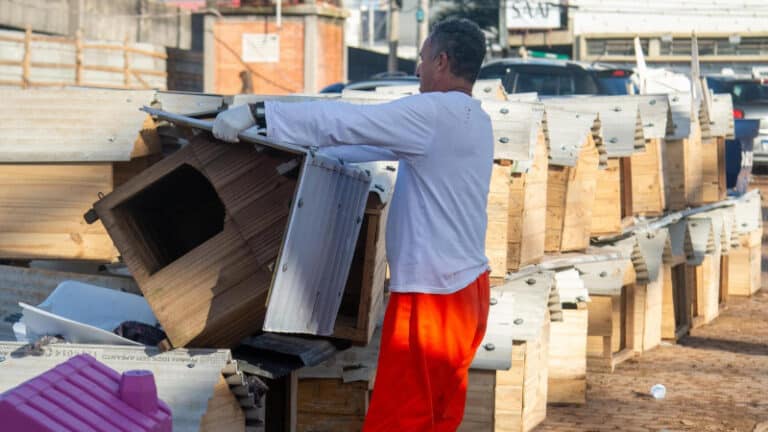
{"x": 557, "y": 77}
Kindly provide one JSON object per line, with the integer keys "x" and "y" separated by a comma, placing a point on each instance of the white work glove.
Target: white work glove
{"x": 233, "y": 121}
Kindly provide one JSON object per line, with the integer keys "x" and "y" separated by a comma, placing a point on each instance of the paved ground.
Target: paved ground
{"x": 716, "y": 379}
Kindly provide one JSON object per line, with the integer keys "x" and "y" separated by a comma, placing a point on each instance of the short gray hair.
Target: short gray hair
{"x": 464, "y": 44}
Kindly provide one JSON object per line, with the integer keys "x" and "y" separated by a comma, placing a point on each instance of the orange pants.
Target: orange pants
{"x": 428, "y": 342}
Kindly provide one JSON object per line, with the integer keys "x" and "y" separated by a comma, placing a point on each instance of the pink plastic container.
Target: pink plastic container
{"x": 83, "y": 394}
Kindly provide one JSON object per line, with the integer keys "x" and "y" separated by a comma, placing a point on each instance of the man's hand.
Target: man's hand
{"x": 231, "y": 122}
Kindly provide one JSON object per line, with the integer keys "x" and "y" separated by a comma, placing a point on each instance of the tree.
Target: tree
{"x": 485, "y": 13}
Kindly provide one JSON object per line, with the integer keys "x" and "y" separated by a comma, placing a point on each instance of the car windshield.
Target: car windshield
{"x": 745, "y": 92}
{"x": 544, "y": 80}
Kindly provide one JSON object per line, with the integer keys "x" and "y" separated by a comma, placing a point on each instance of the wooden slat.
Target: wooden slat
{"x": 648, "y": 180}
{"x": 606, "y": 213}
{"x": 42, "y": 207}
{"x": 568, "y": 358}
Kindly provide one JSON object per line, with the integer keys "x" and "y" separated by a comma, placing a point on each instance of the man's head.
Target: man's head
{"x": 451, "y": 56}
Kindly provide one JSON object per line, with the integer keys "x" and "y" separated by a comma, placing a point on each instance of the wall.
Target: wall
{"x": 311, "y": 53}
{"x": 137, "y": 20}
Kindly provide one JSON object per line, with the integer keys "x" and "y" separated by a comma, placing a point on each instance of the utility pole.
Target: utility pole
{"x": 503, "y": 33}
{"x": 394, "y": 34}
{"x": 422, "y": 25}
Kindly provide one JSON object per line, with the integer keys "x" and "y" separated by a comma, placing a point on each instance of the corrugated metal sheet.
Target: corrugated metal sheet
{"x": 190, "y": 104}
{"x": 566, "y": 130}
{"x": 604, "y": 278}
{"x": 721, "y": 116}
{"x": 700, "y": 239}
{"x": 517, "y": 313}
{"x": 383, "y": 177}
{"x": 622, "y": 129}
{"x": 656, "y": 115}
{"x": 650, "y": 246}
{"x": 185, "y": 379}
{"x": 717, "y": 220}
{"x": 70, "y": 125}
{"x": 314, "y": 262}
{"x": 515, "y": 128}
{"x": 748, "y": 212}
{"x": 571, "y": 286}
{"x": 316, "y": 254}
{"x": 491, "y": 89}
{"x": 680, "y": 104}
{"x": 677, "y": 235}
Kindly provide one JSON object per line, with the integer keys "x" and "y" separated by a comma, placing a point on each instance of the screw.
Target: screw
{"x": 653, "y": 102}
{"x": 489, "y": 346}
{"x": 285, "y": 267}
{"x": 504, "y": 111}
{"x": 603, "y": 274}
{"x": 503, "y": 140}
{"x": 300, "y": 203}
{"x": 493, "y": 301}
{"x": 518, "y": 321}
{"x": 190, "y": 365}
{"x": 531, "y": 281}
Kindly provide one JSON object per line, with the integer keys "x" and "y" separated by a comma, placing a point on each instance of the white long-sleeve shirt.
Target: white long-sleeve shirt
{"x": 437, "y": 220}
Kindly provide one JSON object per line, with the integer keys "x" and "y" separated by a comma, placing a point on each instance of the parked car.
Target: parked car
{"x": 380, "y": 80}
{"x": 750, "y": 102}
{"x": 549, "y": 77}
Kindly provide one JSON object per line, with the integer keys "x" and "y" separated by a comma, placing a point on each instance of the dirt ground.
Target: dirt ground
{"x": 716, "y": 378}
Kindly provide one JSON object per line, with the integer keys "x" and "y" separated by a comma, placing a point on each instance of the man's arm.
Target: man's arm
{"x": 405, "y": 127}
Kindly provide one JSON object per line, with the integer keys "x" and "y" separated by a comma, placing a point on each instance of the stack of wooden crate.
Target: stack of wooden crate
{"x": 508, "y": 377}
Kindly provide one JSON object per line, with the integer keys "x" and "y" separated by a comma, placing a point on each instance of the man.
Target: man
{"x": 438, "y": 308}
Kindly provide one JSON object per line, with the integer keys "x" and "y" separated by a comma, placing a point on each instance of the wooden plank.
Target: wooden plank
{"x": 496, "y": 244}
{"x": 648, "y": 180}
{"x": 331, "y": 405}
{"x": 654, "y": 306}
{"x": 711, "y": 170}
{"x": 744, "y": 265}
{"x": 527, "y": 208}
{"x": 580, "y": 199}
{"x": 42, "y": 207}
{"x": 606, "y": 213}
{"x": 224, "y": 412}
{"x": 668, "y": 305}
{"x": 710, "y": 287}
{"x": 568, "y": 358}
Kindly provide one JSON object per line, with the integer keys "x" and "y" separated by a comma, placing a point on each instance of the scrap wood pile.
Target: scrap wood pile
{"x": 138, "y": 239}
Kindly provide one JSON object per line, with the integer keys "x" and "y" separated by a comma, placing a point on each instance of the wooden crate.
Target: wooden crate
{"x": 683, "y": 170}
{"x": 613, "y": 198}
{"x": 363, "y": 301}
{"x": 204, "y": 233}
{"x": 514, "y": 399}
{"x": 527, "y": 209}
{"x": 648, "y": 180}
{"x": 744, "y": 278}
{"x": 570, "y": 200}
{"x": 568, "y": 356}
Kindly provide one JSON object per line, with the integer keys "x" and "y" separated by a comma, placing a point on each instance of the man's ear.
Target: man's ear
{"x": 442, "y": 61}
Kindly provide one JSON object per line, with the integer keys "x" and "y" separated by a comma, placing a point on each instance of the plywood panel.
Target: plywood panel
{"x": 42, "y": 208}
{"x": 568, "y": 358}
{"x": 648, "y": 180}
{"x": 606, "y": 213}
{"x": 496, "y": 245}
